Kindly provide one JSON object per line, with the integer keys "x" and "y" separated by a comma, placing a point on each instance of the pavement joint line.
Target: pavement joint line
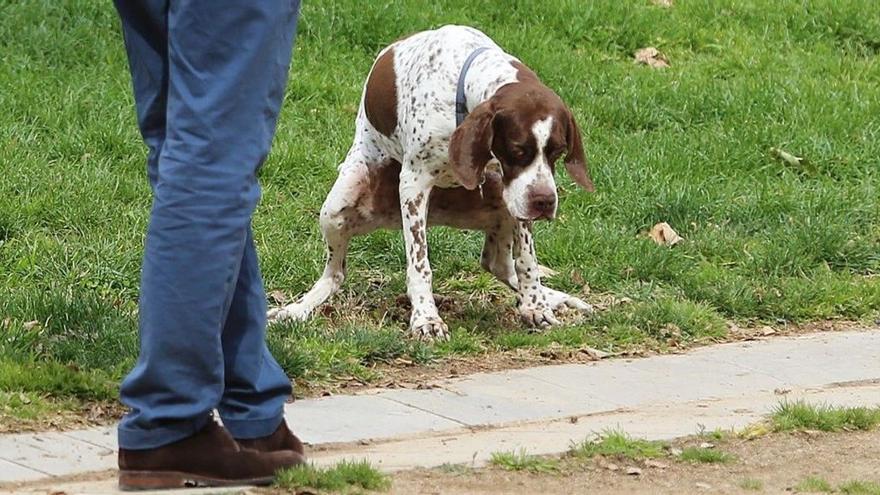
{"x": 463, "y": 424}
{"x": 66, "y": 434}
{"x": 27, "y": 467}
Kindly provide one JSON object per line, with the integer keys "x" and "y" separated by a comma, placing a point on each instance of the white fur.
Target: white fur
{"x": 537, "y": 175}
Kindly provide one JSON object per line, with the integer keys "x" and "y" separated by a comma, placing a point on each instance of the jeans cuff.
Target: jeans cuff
{"x": 247, "y": 429}
{"x": 151, "y": 438}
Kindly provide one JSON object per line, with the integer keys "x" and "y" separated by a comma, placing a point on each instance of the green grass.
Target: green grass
{"x": 860, "y": 488}
{"x": 689, "y": 145}
{"x": 799, "y": 415}
{"x": 705, "y": 456}
{"x": 814, "y": 484}
{"x": 346, "y": 477}
{"x": 521, "y": 461}
{"x": 618, "y": 443}
{"x": 751, "y": 484}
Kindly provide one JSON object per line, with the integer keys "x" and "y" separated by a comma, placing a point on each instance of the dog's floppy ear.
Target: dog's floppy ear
{"x": 575, "y": 162}
{"x": 470, "y": 148}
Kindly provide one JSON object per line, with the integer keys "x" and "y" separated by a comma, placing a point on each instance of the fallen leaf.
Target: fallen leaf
{"x": 547, "y": 272}
{"x": 662, "y": 3}
{"x": 664, "y": 235}
{"x": 594, "y": 353}
{"x": 278, "y": 296}
{"x": 786, "y": 157}
{"x": 651, "y": 57}
{"x": 633, "y": 471}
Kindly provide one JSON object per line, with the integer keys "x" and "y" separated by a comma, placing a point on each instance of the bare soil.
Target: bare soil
{"x": 778, "y": 461}
{"x": 402, "y": 373}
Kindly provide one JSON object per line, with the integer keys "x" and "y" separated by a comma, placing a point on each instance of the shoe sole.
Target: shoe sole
{"x": 163, "y": 480}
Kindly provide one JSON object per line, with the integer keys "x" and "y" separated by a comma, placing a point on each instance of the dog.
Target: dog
{"x": 451, "y": 130}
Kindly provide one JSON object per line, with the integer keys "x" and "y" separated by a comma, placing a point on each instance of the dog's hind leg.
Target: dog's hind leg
{"x": 340, "y": 219}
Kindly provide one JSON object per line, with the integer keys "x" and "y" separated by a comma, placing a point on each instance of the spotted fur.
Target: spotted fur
{"x": 410, "y": 167}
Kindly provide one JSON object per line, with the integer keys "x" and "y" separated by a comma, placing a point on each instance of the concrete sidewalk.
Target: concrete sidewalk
{"x": 542, "y": 409}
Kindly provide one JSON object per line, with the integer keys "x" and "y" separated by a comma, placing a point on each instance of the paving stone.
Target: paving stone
{"x": 359, "y": 417}
{"x": 55, "y": 453}
{"x": 102, "y": 437}
{"x": 478, "y": 403}
{"x": 10, "y": 471}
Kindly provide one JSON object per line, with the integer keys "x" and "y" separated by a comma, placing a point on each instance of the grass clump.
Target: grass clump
{"x": 705, "y": 456}
{"x": 522, "y": 461}
{"x": 618, "y": 443}
{"x": 346, "y": 476}
{"x": 814, "y": 484}
{"x": 860, "y": 488}
{"x": 751, "y": 484}
{"x": 792, "y": 416}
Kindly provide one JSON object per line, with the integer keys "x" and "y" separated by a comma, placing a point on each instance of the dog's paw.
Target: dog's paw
{"x": 429, "y": 329}
{"x": 291, "y": 312}
{"x": 557, "y": 300}
{"x": 537, "y": 316}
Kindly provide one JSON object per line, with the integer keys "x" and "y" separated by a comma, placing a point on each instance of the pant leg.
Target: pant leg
{"x": 226, "y": 64}
{"x": 256, "y": 388}
{"x": 145, "y": 31}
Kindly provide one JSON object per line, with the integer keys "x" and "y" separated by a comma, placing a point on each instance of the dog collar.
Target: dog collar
{"x": 461, "y": 110}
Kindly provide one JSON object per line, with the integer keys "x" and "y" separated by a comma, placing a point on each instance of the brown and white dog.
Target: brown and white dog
{"x": 411, "y": 166}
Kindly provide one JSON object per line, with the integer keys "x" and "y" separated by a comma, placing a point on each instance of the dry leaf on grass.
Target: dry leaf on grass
{"x": 278, "y": 297}
{"x": 547, "y": 272}
{"x": 662, "y": 3}
{"x": 652, "y": 57}
{"x": 664, "y": 235}
{"x": 794, "y": 161}
{"x": 594, "y": 354}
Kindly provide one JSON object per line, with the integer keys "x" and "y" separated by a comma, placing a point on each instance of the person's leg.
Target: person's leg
{"x": 227, "y": 64}
{"x": 256, "y": 387}
{"x": 145, "y": 31}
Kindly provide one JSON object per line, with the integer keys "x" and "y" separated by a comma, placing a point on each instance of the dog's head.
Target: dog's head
{"x": 526, "y": 127}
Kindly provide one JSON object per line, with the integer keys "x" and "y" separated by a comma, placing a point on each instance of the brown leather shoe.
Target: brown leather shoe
{"x": 211, "y": 457}
{"x": 281, "y": 439}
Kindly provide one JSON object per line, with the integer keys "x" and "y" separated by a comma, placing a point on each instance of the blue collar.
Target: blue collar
{"x": 461, "y": 110}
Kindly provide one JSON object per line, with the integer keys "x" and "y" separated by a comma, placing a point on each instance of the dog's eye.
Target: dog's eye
{"x": 519, "y": 152}
{"x": 554, "y": 154}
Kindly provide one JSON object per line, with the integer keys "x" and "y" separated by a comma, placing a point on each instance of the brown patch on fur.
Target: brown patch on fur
{"x": 380, "y": 98}
{"x": 470, "y": 145}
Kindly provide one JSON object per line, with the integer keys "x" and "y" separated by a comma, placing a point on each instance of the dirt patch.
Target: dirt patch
{"x": 775, "y": 462}
{"x": 403, "y": 373}
{"x": 64, "y": 418}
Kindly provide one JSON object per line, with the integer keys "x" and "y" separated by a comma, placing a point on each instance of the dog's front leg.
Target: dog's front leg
{"x": 533, "y": 305}
{"x": 415, "y": 187}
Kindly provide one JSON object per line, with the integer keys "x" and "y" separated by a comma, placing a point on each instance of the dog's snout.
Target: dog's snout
{"x": 542, "y": 202}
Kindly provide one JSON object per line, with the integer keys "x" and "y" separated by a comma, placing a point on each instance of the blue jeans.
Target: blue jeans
{"x": 209, "y": 78}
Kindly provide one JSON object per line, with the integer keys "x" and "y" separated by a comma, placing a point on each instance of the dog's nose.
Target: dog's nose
{"x": 543, "y": 204}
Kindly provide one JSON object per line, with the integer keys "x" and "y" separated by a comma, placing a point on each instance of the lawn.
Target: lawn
{"x": 765, "y": 241}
